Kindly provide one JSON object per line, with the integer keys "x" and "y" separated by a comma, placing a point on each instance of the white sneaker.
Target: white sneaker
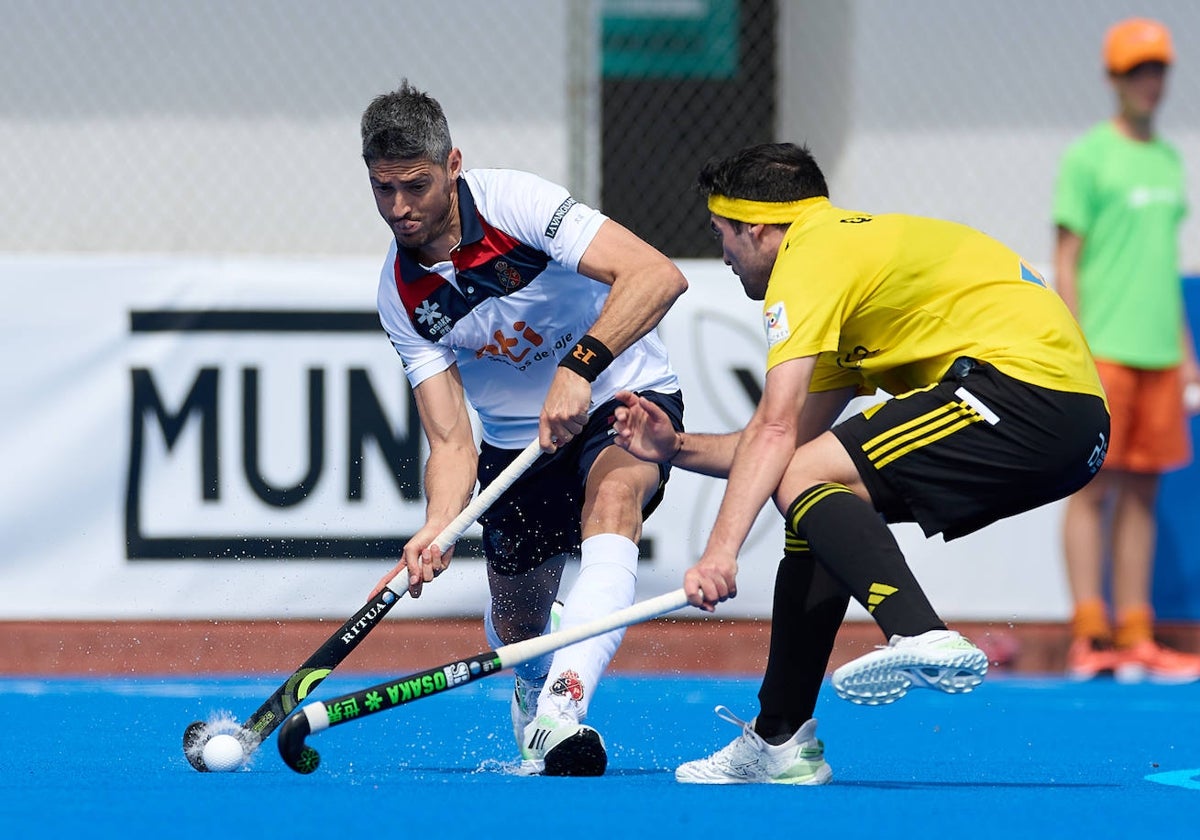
{"x": 524, "y": 702}
{"x": 940, "y": 659}
{"x": 562, "y": 746}
{"x": 751, "y": 760}
{"x": 524, "y": 705}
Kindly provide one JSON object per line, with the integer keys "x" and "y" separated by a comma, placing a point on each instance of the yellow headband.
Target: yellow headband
{"x": 759, "y": 212}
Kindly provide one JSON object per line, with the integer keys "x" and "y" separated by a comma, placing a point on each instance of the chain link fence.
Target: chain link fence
{"x": 230, "y": 126}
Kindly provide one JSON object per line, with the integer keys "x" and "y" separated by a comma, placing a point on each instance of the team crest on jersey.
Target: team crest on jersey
{"x": 507, "y": 274}
{"x": 777, "y": 323}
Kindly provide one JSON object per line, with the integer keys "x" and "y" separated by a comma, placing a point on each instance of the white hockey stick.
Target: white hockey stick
{"x": 318, "y": 716}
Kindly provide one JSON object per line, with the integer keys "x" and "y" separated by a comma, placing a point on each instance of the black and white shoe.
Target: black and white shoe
{"x": 564, "y": 747}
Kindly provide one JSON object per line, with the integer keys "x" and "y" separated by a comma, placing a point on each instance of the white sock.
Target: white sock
{"x": 606, "y": 583}
{"x": 534, "y": 669}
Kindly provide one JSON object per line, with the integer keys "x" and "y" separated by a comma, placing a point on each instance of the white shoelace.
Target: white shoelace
{"x": 749, "y": 736}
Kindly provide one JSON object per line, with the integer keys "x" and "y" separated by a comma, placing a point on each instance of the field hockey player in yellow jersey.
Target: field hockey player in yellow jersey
{"x": 996, "y": 409}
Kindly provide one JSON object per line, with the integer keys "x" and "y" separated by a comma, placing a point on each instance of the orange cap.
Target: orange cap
{"x": 1135, "y": 41}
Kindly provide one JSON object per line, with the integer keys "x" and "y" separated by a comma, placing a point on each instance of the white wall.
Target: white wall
{"x": 67, "y": 431}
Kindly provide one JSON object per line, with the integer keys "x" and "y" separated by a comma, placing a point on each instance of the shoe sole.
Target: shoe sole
{"x": 1085, "y": 674}
{"x": 529, "y": 767}
{"x": 823, "y": 775}
{"x": 581, "y": 754}
{"x": 1130, "y": 674}
{"x": 887, "y": 680}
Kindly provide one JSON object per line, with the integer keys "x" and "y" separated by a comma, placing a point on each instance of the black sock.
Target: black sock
{"x": 848, "y": 538}
{"x": 808, "y": 610}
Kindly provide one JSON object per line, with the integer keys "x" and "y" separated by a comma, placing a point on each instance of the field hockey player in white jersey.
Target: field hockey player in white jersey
{"x": 502, "y": 291}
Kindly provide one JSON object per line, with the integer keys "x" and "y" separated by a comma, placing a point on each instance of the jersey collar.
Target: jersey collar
{"x": 468, "y": 217}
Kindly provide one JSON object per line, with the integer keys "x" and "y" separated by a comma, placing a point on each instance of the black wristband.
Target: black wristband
{"x": 589, "y": 358}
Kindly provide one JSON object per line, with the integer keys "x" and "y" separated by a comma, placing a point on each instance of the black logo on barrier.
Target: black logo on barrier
{"x": 367, "y": 422}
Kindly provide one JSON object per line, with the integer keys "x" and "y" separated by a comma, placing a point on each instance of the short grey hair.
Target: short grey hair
{"x": 405, "y": 124}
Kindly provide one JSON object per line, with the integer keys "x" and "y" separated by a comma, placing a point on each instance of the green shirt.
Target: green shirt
{"x": 1126, "y": 199}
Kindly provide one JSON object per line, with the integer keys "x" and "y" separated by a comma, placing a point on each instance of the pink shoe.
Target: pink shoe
{"x": 1152, "y": 661}
{"x": 1090, "y": 658}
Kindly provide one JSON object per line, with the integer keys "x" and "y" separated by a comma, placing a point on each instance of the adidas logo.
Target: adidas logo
{"x": 877, "y": 593}
{"x": 538, "y": 739}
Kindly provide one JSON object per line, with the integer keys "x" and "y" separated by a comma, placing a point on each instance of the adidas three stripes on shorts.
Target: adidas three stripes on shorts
{"x": 974, "y": 448}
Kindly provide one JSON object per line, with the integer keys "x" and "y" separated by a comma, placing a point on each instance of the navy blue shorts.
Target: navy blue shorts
{"x": 538, "y": 517}
{"x": 976, "y": 447}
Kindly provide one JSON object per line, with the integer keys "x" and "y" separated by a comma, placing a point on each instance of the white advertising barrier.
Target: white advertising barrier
{"x": 234, "y": 438}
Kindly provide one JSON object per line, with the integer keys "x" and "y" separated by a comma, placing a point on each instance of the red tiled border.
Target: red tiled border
{"x": 132, "y": 648}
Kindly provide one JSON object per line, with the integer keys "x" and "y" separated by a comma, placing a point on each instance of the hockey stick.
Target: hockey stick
{"x": 338, "y": 646}
{"x": 317, "y": 716}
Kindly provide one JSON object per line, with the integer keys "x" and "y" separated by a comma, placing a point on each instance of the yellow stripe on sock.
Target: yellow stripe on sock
{"x": 822, "y": 492}
{"x": 793, "y": 543}
{"x": 878, "y": 592}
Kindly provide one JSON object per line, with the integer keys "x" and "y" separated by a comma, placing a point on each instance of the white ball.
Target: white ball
{"x": 223, "y": 753}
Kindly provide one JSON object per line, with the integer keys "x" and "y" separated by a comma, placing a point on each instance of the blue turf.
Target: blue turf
{"x": 1018, "y": 758}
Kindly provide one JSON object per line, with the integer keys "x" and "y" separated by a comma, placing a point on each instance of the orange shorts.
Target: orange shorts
{"x": 1149, "y": 424}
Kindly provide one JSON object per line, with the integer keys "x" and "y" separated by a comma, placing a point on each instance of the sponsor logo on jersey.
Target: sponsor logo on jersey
{"x": 1028, "y": 273}
{"x": 777, "y": 323}
{"x": 1096, "y": 459}
{"x": 854, "y": 359}
{"x": 515, "y": 348}
{"x": 436, "y": 324}
{"x": 557, "y": 219}
{"x": 1144, "y": 196}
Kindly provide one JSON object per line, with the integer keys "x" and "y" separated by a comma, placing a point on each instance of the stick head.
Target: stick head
{"x": 295, "y": 753}
{"x": 308, "y": 762}
{"x": 194, "y": 739}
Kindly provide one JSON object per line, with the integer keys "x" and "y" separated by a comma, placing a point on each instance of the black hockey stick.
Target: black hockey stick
{"x": 338, "y": 646}
{"x": 317, "y": 716}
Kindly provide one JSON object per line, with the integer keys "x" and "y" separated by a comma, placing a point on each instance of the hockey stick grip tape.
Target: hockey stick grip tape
{"x": 318, "y": 716}
{"x": 477, "y": 506}
{"x": 488, "y": 496}
{"x": 530, "y": 649}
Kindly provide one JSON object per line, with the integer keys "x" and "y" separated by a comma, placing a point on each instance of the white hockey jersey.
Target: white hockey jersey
{"x": 509, "y": 304}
